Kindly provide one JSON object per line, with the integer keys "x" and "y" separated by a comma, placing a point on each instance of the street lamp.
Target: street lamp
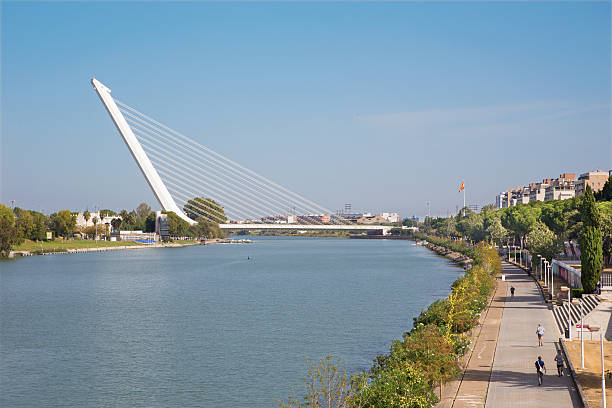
{"x": 552, "y": 283}
{"x": 540, "y": 256}
{"x": 581, "y": 335}
{"x": 545, "y": 272}
{"x": 569, "y": 312}
{"x": 603, "y": 374}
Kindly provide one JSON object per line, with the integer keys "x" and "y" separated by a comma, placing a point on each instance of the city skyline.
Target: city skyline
{"x": 385, "y": 106}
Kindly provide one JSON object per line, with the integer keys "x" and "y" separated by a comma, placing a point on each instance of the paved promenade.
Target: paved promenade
{"x": 513, "y": 380}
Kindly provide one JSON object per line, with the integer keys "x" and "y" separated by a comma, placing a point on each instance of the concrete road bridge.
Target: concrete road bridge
{"x": 382, "y": 229}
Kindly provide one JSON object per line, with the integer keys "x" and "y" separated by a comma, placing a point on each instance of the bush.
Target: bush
{"x": 428, "y": 355}
{"x": 577, "y": 292}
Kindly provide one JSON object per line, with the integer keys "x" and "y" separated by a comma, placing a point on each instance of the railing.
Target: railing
{"x": 606, "y": 280}
{"x": 567, "y": 272}
{"x": 567, "y": 258}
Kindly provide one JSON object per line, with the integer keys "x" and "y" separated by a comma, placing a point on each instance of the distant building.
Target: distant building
{"x": 500, "y": 200}
{"x": 391, "y": 217}
{"x": 561, "y": 188}
{"x": 134, "y": 236}
{"x": 594, "y": 179}
{"x": 80, "y": 219}
{"x": 538, "y": 192}
{"x": 161, "y": 225}
{"x": 313, "y": 219}
{"x": 371, "y": 220}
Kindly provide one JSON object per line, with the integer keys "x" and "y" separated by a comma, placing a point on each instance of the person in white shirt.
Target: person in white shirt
{"x": 540, "y": 333}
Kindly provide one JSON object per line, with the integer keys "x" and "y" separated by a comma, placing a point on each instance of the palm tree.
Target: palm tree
{"x": 95, "y": 222}
{"x": 86, "y": 216}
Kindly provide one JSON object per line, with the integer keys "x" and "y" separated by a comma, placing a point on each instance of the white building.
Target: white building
{"x": 390, "y": 217}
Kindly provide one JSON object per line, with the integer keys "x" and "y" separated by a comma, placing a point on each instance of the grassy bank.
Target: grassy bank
{"x": 426, "y": 357}
{"x": 59, "y": 245}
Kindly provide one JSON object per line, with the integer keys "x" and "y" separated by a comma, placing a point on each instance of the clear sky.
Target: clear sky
{"x": 384, "y": 106}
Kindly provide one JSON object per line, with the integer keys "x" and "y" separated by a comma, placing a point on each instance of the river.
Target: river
{"x": 204, "y": 326}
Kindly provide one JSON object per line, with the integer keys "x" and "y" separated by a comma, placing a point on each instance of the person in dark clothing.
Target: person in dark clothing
{"x": 559, "y": 359}
{"x": 541, "y": 369}
{"x": 511, "y": 291}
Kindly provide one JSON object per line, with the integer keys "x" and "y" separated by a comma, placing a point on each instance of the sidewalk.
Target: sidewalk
{"x": 471, "y": 390}
{"x": 513, "y": 379}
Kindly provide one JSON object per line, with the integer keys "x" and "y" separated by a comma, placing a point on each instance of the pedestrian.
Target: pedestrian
{"x": 559, "y": 359}
{"x": 540, "y": 333}
{"x": 541, "y": 368}
{"x": 512, "y": 291}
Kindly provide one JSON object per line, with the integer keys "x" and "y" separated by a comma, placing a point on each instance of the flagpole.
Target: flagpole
{"x": 464, "y": 199}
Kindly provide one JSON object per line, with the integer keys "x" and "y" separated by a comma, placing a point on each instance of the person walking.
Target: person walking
{"x": 541, "y": 369}
{"x": 512, "y": 292}
{"x": 559, "y": 359}
{"x": 540, "y": 333}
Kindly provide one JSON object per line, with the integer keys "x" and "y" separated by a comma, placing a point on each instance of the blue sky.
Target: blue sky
{"x": 385, "y": 106}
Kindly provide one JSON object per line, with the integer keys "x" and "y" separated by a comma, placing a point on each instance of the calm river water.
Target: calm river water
{"x": 203, "y": 326}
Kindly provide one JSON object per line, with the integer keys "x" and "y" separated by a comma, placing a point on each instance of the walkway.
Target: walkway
{"x": 513, "y": 379}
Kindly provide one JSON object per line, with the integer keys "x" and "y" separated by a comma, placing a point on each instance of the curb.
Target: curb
{"x": 537, "y": 282}
{"x": 583, "y": 399}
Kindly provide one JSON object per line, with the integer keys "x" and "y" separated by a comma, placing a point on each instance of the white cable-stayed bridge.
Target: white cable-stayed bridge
{"x": 181, "y": 172}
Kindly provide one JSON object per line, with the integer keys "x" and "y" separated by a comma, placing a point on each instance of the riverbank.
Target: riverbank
{"x": 456, "y": 257}
{"x": 78, "y": 246}
{"x": 437, "y": 352}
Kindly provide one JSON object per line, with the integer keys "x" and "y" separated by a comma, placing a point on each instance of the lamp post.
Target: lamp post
{"x": 508, "y": 252}
{"x": 552, "y": 283}
{"x": 569, "y": 312}
{"x": 514, "y": 253}
{"x": 581, "y": 335}
{"x": 545, "y": 272}
{"x": 540, "y": 256}
{"x": 603, "y": 374}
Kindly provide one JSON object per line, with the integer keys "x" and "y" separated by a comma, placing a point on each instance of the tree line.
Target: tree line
{"x": 542, "y": 228}
{"x": 18, "y": 225}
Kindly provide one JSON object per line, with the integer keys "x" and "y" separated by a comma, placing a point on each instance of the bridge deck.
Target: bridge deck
{"x": 331, "y": 227}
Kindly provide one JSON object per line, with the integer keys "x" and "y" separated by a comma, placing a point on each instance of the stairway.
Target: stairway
{"x": 590, "y": 302}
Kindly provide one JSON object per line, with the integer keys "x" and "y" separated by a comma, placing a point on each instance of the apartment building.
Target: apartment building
{"x": 594, "y": 179}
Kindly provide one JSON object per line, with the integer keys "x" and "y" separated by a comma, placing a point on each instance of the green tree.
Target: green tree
{"x": 205, "y": 208}
{"x": 106, "y": 213}
{"x": 25, "y": 224}
{"x": 606, "y": 232}
{"x": 127, "y": 219}
{"x": 142, "y": 211}
{"x": 150, "y": 222}
{"x": 327, "y": 386}
{"x": 9, "y": 234}
{"x": 496, "y": 231}
{"x": 177, "y": 227}
{"x": 86, "y": 216}
{"x": 472, "y": 226}
{"x": 555, "y": 216}
{"x": 116, "y": 223}
{"x": 206, "y": 229}
{"x": 591, "y": 244}
{"x": 520, "y": 219}
{"x": 63, "y": 223}
{"x": 95, "y": 223}
{"x": 39, "y": 232}
{"x": 542, "y": 241}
